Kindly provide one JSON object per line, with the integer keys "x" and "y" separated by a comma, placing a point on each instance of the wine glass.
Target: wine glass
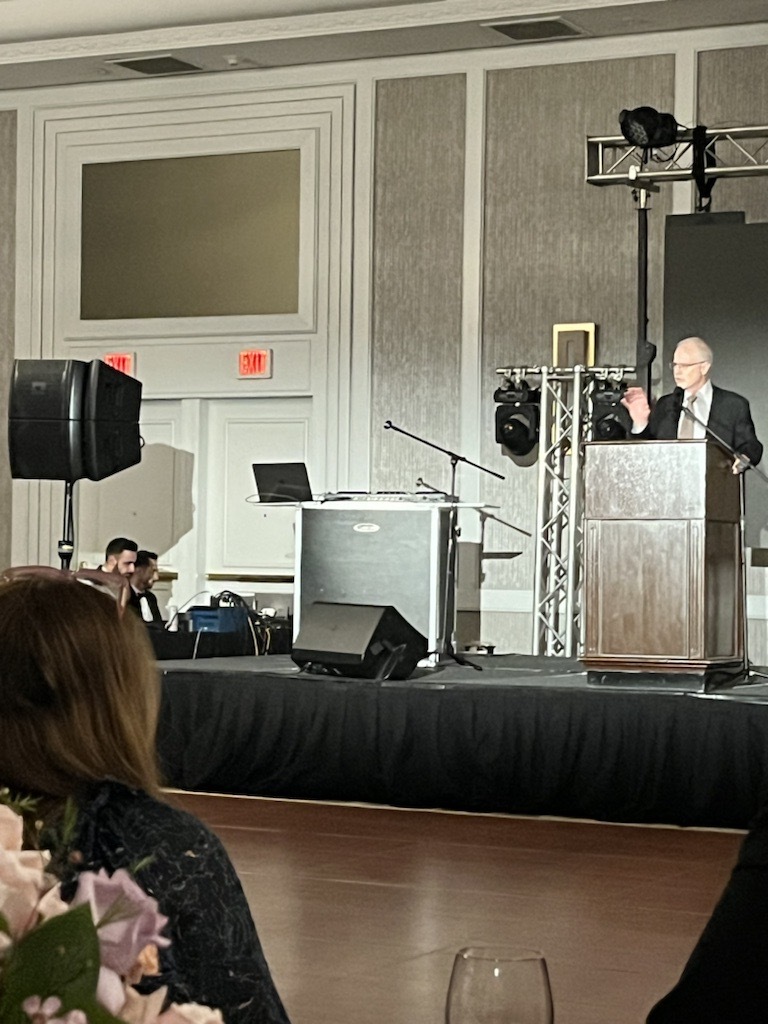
{"x": 499, "y": 985}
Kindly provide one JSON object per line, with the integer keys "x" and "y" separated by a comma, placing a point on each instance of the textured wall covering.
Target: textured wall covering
{"x": 7, "y": 307}
{"x": 417, "y": 276}
{"x": 733, "y": 91}
{"x": 556, "y": 249}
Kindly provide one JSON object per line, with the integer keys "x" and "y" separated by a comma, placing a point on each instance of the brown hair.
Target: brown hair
{"x": 79, "y": 692}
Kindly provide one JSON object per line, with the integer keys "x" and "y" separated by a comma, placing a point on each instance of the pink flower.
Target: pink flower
{"x": 127, "y": 919}
{"x": 190, "y": 1013}
{"x": 110, "y": 990}
{"x": 23, "y": 882}
{"x": 11, "y": 828}
{"x": 44, "y": 1011}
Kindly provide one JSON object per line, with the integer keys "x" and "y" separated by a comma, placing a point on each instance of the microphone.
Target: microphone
{"x": 678, "y": 400}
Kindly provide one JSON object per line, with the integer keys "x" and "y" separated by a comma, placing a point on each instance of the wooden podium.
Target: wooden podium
{"x": 663, "y": 589}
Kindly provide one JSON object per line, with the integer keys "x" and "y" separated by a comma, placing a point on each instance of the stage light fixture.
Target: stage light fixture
{"x": 610, "y": 420}
{"x": 517, "y": 418}
{"x": 646, "y": 127}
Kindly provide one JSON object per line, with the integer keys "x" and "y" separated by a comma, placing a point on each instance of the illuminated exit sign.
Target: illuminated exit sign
{"x": 255, "y": 362}
{"x": 122, "y": 361}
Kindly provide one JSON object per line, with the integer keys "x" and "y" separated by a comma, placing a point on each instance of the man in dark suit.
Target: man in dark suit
{"x": 724, "y": 412}
{"x": 143, "y": 578}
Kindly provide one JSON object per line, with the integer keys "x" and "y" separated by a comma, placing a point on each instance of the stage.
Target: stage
{"x": 526, "y": 735}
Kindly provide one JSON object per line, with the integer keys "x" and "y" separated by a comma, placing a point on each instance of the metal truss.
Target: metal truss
{"x": 729, "y": 153}
{"x": 565, "y": 424}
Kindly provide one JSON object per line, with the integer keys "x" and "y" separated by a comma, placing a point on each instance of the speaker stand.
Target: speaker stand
{"x": 66, "y": 546}
{"x": 447, "y": 650}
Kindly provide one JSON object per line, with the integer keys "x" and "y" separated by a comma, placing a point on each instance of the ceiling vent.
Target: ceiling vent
{"x": 164, "y": 64}
{"x": 535, "y": 30}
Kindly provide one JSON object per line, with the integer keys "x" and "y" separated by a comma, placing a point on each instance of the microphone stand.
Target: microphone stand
{"x": 453, "y": 533}
{"x": 66, "y": 546}
{"x": 744, "y": 461}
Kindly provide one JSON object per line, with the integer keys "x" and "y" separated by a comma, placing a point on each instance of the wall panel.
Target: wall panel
{"x": 7, "y": 307}
{"x": 556, "y": 249}
{"x": 733, "y": 91}
{"x": 417, "y": 276}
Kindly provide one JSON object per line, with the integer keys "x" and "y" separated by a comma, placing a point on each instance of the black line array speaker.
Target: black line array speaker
{"x": 358, "y": 640}
{"x": 111, "y": 440}
{"x": 69, "y": 419}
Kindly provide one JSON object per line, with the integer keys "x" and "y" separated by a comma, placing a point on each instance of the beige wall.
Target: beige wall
{"x": 733, "y": 91}
{"x": 417, "y": 277}
{"x": 7, "y": 310}
{"x": 556, "y": 249}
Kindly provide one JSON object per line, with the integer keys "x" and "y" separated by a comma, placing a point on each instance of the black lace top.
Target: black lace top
{"x": 215, "y": 957}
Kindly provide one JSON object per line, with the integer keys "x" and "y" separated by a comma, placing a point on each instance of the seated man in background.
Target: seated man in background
{"x": 120, "y": 556}
{"x": 142, "y": 579}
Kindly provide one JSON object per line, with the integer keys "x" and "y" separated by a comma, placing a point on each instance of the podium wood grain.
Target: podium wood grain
{"x": 662, "y": 557}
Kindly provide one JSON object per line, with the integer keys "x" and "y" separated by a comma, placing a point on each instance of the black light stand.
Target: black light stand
{"x": 738, "y": 457}
{"x": 66, "y": 546}
{"x": 645, "y": 351}
{"x": 453, "y": 533}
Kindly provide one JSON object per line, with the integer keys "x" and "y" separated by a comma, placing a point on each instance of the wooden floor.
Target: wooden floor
{"x": 361, "y": 909}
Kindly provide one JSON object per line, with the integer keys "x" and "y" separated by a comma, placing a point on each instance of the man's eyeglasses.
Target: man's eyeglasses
{"x": 108, "y": 583}
{"x": 684, "y": 366}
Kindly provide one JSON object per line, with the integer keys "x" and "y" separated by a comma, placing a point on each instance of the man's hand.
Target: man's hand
{"x": 740, "y": 464}
{"x": 636, "y": 403}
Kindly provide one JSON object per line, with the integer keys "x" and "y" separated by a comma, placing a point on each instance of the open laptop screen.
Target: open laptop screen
{"x": 282, "y": 481}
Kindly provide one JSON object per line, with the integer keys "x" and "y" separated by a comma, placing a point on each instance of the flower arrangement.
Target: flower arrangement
{"x": 77, "y": 963}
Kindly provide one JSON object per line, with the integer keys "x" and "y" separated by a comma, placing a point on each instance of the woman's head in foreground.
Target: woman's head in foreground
{"x": 78, "y": 688}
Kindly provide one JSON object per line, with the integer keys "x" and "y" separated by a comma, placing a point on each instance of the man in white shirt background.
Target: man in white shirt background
{"x": 143, "y": 578}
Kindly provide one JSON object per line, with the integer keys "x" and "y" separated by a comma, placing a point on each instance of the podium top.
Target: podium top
{"x": 659, "y": 480}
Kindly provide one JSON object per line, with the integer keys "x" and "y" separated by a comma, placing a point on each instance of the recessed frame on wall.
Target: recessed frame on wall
{"x": 574, "y": 344}
{"x": 267, "y": 123}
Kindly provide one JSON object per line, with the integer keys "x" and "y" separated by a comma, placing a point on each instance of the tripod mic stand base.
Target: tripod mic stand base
{"x": 446, "y": 656}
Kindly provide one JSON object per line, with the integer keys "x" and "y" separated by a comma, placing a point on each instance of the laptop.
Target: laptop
{"x": 282, "y": 481}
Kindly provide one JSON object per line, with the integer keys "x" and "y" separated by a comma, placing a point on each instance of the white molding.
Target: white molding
{"x": 686, "y": 71}
{"x": 74, "y": 149}
{"x": 334, "y": 22}
{"x": 191, "y": 89}
{"x": 359, "y": 424}
{"x": 522, "y": 601}
{"x": 315, "y": 352}
{"x": 471, "y": 382}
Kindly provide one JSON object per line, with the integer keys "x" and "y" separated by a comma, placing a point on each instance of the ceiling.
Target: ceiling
{"x": 50, "y": 42}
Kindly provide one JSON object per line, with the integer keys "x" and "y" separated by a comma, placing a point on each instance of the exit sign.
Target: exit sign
{"x": 122, "y": 361}
{"x": 255, "y": 362}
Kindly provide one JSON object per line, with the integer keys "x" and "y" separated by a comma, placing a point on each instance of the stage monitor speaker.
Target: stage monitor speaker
{"x": 45, "y": 419}
{"x": 111, "y": 440}
{"x": 358, "y": 640}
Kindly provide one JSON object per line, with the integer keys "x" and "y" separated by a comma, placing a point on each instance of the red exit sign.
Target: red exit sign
{"x": 122, "y": 361}
{"x": 255, "y": 362}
